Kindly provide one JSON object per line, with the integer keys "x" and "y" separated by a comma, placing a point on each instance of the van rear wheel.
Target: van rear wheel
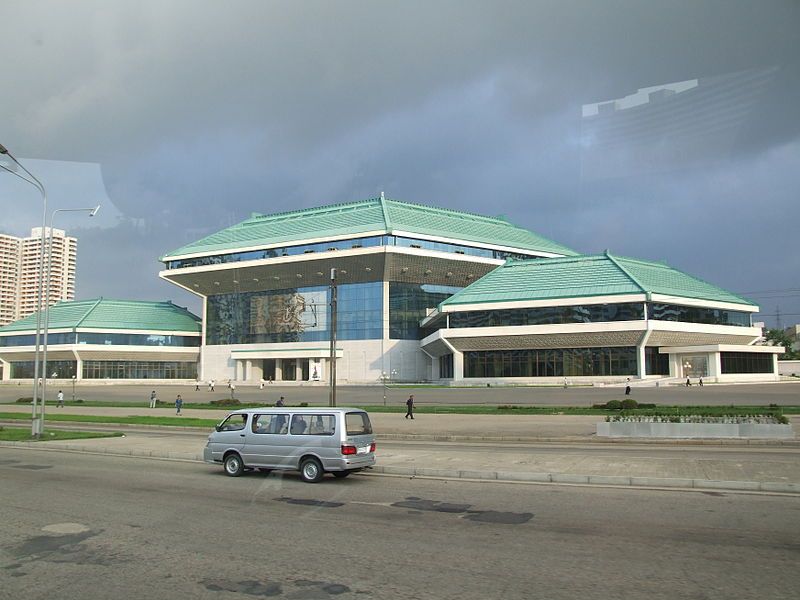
{"x": 311, "y": 470}
{"x": 233, "y": 465}
{"x": 341, "y": 474}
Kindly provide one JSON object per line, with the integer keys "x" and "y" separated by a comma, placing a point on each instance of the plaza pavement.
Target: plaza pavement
{"x": 523, "y": 448}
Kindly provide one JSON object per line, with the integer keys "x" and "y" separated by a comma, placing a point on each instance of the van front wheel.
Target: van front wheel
{"x": 233, "y": 465}
{"x": 311, "y": 470}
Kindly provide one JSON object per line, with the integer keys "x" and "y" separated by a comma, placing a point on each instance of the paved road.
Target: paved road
{"x": 772, "y": 393}
{"x": 84, "y": 527}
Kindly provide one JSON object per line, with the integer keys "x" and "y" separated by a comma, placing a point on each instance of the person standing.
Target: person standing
{"x": 280, "y": 402}
{"x": 60, "y": 397}
{"x": 410, "y": 407}
{"x": 178, "y": 404}
{"x": 153, "y": 399}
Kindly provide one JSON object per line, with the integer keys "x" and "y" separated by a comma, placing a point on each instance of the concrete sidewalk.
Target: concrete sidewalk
{"x": 766, "y": 469}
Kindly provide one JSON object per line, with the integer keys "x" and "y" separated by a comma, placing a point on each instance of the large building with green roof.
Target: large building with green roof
{"x": 427, "y": 293}
{"x": 105, "y": 339}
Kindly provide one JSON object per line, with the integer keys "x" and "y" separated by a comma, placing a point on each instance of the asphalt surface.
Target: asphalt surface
{"x": 84, "y": 527}
{"x": 787, "y": 393}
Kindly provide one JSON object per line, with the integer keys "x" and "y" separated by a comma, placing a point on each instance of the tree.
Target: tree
{"x": 778, "y": 337}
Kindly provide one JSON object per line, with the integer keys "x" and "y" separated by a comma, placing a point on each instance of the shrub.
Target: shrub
{"x": 225, "y": 402}
{"x": 649, "y": 406}
{"x": 597, "y": 406}
{"x": 614, "y": 405}
{"x": 629, "y": 403}
{"x": 303, "y": 404}
{"x": 27, "y": 400}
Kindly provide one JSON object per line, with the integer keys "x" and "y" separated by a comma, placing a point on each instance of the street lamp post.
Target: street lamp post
{"x": 92, "y": 212}
{"x": 334, "y": 301}
{"x": 35, "y": 431}
{"x": 387, "y": 377}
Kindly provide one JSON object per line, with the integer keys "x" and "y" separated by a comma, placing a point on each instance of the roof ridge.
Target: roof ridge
{"x": 88, "y": 312}
{"x": 338, "y": 206}
{"x": 460, "y": 213}
{"x": 627, "y": 273}
{"x": 385, "y": 209}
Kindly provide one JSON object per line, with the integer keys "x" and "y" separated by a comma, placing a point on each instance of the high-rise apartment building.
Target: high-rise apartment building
{"x": 19, "y": 272}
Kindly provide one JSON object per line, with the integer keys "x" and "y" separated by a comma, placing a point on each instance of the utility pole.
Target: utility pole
{"x": 779, "y": 323}
{"x": 334, "y": 299}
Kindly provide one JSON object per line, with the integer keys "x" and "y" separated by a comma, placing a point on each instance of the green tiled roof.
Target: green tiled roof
{"x": 373, "y": 215}
{"x": 586, "y": 276}
{"x": 101, "y": 313}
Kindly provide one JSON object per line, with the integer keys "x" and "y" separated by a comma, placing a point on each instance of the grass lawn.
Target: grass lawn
{"x": 131, "y": 420}
{"x": 173, "y": 421}
{"x": 23, "y": 434}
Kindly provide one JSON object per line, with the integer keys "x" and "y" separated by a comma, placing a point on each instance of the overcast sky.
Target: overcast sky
{"x": 184, "y": 117}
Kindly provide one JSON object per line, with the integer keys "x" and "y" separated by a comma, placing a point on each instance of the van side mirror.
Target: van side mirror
{"x": 217, "y": 428}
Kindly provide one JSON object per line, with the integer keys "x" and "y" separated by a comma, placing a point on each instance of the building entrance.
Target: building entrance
{"x": 268, "y": 367}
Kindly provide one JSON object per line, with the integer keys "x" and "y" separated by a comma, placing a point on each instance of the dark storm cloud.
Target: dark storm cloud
{"x": 200, "y": 113}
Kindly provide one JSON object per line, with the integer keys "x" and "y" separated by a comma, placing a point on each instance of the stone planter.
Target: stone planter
{"x": 618, "y": 429}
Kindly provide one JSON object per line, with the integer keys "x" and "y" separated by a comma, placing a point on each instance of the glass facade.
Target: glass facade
{"x": 697, "y": 314}
{"x": 294, "y": 315}
{"x": 408, "y": 304}
{"x": 137, "y": 339}
{"x": 592, "y": 313}
{"x": 138, "y": 369}
{"x": 122, "y": 339}
{"x": 365, "y": 242}
{"x": 746, "y": 362}
{"x": 446, "y": 366}
{"x": 655, "y": 363}
{"x": 56, "y": 369}
{"x": 30, "y": 339}
{"x": 561, "y": 362}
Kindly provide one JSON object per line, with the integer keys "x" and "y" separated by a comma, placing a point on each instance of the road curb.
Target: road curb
{"x": 472, "y": 475}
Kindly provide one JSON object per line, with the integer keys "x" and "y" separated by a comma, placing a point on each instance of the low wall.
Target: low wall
{"x": 694, "y": 430}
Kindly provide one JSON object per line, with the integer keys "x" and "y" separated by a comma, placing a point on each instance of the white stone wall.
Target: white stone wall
{"x": 363, "y": 361}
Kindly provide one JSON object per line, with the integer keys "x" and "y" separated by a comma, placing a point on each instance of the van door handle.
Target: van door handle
{"x": 241, "y": 435}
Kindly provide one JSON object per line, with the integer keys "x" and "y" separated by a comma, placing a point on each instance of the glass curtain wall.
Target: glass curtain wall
{"x": 294, "y": 315}
{"x": 745, "y": 362}
{"x": 561, "y": 362}
{"x": 697, "y": 314}
{"x": 408, "y": 305}
{"x": 123, "y": 369}
{"x": 592, "y": 313}
{"x": 56, "y": 369}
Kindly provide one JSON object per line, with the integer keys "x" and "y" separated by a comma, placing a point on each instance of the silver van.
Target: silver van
{"x": 314, "y": 441}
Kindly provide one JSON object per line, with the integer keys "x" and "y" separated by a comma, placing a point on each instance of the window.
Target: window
{"x": 698, "y": 314}
{"x": 274, "y": 424}
{"x": 234, "y": 422}
{"x": 559, "y": 362}
{"x": 446, "y": 366}
{"x": 746, "y": 362}
{"x": 357, "y": 423}
{"x": 313, "y": 424}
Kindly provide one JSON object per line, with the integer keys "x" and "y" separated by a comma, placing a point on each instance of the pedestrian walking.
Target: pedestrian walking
{"x": 153, "y": 399}
{"x": 700, "y": 382}
{"x": 211, "y": 385}
{"x": 410, "y": 407}
{"x": 60, "y": 397}
{"x": 197, "y": 385}
{"x": 178, "y": 404}
{"x": 688, "y": 382}
{"x": 233, "y": 389}
{"x": 628, "y": 387}
{"x": 280, "y": 402}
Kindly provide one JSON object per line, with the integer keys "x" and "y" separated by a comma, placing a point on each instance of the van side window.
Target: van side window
{"x": 234, "y": 423}
{"x": 357, "y": 423}
{"x": 275, "y": 424}
{"x": 313, "y": 424}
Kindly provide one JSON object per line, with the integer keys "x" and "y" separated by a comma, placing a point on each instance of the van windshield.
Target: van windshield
{"x": 357, "y": 423}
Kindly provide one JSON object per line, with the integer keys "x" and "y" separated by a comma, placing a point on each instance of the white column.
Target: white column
{"x": 6, "y": 369}
{"x": 458, "y": 365}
